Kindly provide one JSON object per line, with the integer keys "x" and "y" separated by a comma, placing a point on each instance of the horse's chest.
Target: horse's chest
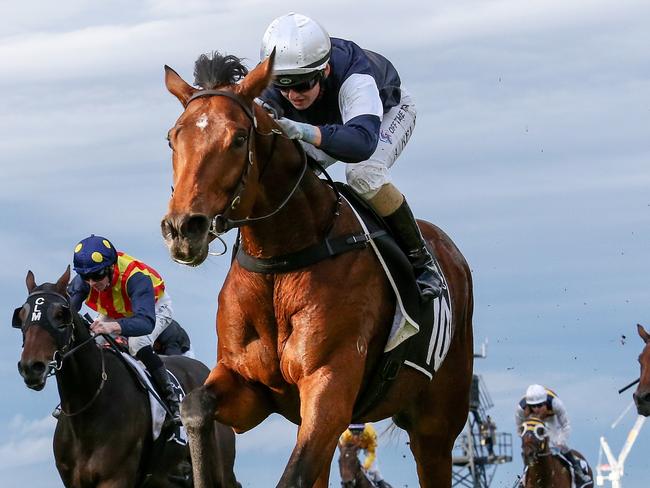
{"x": 266, "y": 358}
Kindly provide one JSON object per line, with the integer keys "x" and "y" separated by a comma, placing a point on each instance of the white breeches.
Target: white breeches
{"x": 164, "y": 314}
{"x": 367, "y": 177}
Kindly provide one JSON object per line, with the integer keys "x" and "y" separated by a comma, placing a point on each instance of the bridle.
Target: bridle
{"x": 538, "y": 430}
{"x": 222, "y": 223}
{"x": 66, "y": 331}
{"x": 351, "y": 453}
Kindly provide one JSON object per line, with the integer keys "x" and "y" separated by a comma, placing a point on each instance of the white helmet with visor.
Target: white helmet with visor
{"x": 302, "y": 48}
{"x": 535, "y": 395}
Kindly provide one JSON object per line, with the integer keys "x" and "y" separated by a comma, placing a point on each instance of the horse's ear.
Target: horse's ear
{"x": 30, "y": 281}
{"x": 258, "y": 79}
{"x": 643, "y": 333}
{"x": 177, "y": 86}
{"x": 62, "y": 284}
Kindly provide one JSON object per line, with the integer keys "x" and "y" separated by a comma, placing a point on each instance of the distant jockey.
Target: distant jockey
{"x": 131, "y": 300}
{"x": 365, "y": 438}
{"x": 543, "y": 403}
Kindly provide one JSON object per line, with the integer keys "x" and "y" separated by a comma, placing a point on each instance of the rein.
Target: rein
{"x": 104, "y": 377}
{"x": 221, "y": 223}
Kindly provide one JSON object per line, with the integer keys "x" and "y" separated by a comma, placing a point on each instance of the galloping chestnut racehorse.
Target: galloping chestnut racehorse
{"x": 544, "y": 470}
{"x": 300, "y": 343}
{"x": 642, "y": 393}
{"x": 352, "y": 475}
{"x": 103, "y": 437}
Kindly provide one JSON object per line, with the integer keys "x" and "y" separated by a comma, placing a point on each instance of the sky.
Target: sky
{"x": 531, "y": 151}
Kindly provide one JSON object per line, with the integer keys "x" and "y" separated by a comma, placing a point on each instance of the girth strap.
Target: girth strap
{"x": 305, "y": 257}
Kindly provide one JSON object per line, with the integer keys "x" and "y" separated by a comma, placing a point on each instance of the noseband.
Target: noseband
{"x": 221, "y": 223}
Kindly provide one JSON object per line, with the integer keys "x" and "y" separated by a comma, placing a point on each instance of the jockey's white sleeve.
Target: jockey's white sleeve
{"x": 563, "y": 424}
{"x": 519, "y": 417}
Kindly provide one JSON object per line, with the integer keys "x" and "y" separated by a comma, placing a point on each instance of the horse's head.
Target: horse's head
{"x": 46, "y": 322}
{"x": 534, "y": 439}
{"x": 215, "y": 172}
{"x": 642, "y": 393}
{"x": 349, "y": 464}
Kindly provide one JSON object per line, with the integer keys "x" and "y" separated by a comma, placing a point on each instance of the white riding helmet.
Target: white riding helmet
{"x": 535, "y": 394}
{"x": 302, "y": 46}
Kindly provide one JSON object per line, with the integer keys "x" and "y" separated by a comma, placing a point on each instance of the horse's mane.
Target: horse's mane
{"x": 213, "y": 70}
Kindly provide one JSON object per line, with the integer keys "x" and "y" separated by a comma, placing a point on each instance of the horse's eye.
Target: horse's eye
{"x": 240, "y": 141}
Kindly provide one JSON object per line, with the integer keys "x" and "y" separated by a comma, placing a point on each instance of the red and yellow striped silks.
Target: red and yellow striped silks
{"x": 114, "y": 302}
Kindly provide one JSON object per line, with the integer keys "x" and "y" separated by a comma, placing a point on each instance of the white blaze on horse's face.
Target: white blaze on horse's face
{"x": 202, "y": 123}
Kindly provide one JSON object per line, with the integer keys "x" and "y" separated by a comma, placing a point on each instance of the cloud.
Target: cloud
{"x": 274, "y": 434}
{"x": 21, "y": 426}
{"x": 30, "y": 442}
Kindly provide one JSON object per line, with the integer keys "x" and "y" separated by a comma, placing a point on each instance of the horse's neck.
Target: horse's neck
{"x": 303, "y": 220}
{"x": 81, "y": 373}
{"x": 540, "y": 473}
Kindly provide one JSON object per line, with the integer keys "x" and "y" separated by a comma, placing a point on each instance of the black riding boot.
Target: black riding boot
{"x": 161, "y": 381}
{"x": 166, "y": 388}
{"x": 407, "y": 235}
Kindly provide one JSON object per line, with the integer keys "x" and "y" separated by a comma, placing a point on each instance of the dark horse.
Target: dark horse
{"x": 103, "y": 437}
{"x": 642, "y": 393}
{"x": 543, "y": 469}
{"x": 301, "y": 343}
{"x": 352, "y": 476}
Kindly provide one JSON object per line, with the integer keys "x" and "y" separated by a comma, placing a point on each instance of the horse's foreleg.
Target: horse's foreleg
{"x": 197, "y": 412}
{"x": 227, "y": 398}
{"x": 239, "y": 404}
{"x": 225, "y": 454}
{"x": 325, "y": 410}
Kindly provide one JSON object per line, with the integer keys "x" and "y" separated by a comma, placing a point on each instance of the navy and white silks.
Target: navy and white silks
{"x": 365, "y": 115}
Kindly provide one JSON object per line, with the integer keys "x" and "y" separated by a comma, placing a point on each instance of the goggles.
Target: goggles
{"x": 96, "y": 275}
{"x": 299, "y": 85}
{"x": 537, "y": 429}
{"x": 535, "y": 406}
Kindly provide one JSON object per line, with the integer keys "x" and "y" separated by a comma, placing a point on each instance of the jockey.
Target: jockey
{"x": 364, "y": 437}
{"x": 173, "y": 341}
{"x": 348, "y": 104}
{"x": 544, "y": 404}
{"x": 131, "y": 301}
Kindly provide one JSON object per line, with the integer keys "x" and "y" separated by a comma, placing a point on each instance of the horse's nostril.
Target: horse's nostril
{"x": 38, "y": 368}
{"x": 195, "y": 226}
{"x": 645, "y": 398}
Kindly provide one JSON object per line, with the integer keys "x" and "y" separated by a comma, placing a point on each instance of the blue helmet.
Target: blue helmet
{"x": 93, "y": 254}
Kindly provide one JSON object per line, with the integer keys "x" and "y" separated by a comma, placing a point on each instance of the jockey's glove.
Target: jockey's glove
{"x": 298, "y": 130}
{"x": 274, "y": 111}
